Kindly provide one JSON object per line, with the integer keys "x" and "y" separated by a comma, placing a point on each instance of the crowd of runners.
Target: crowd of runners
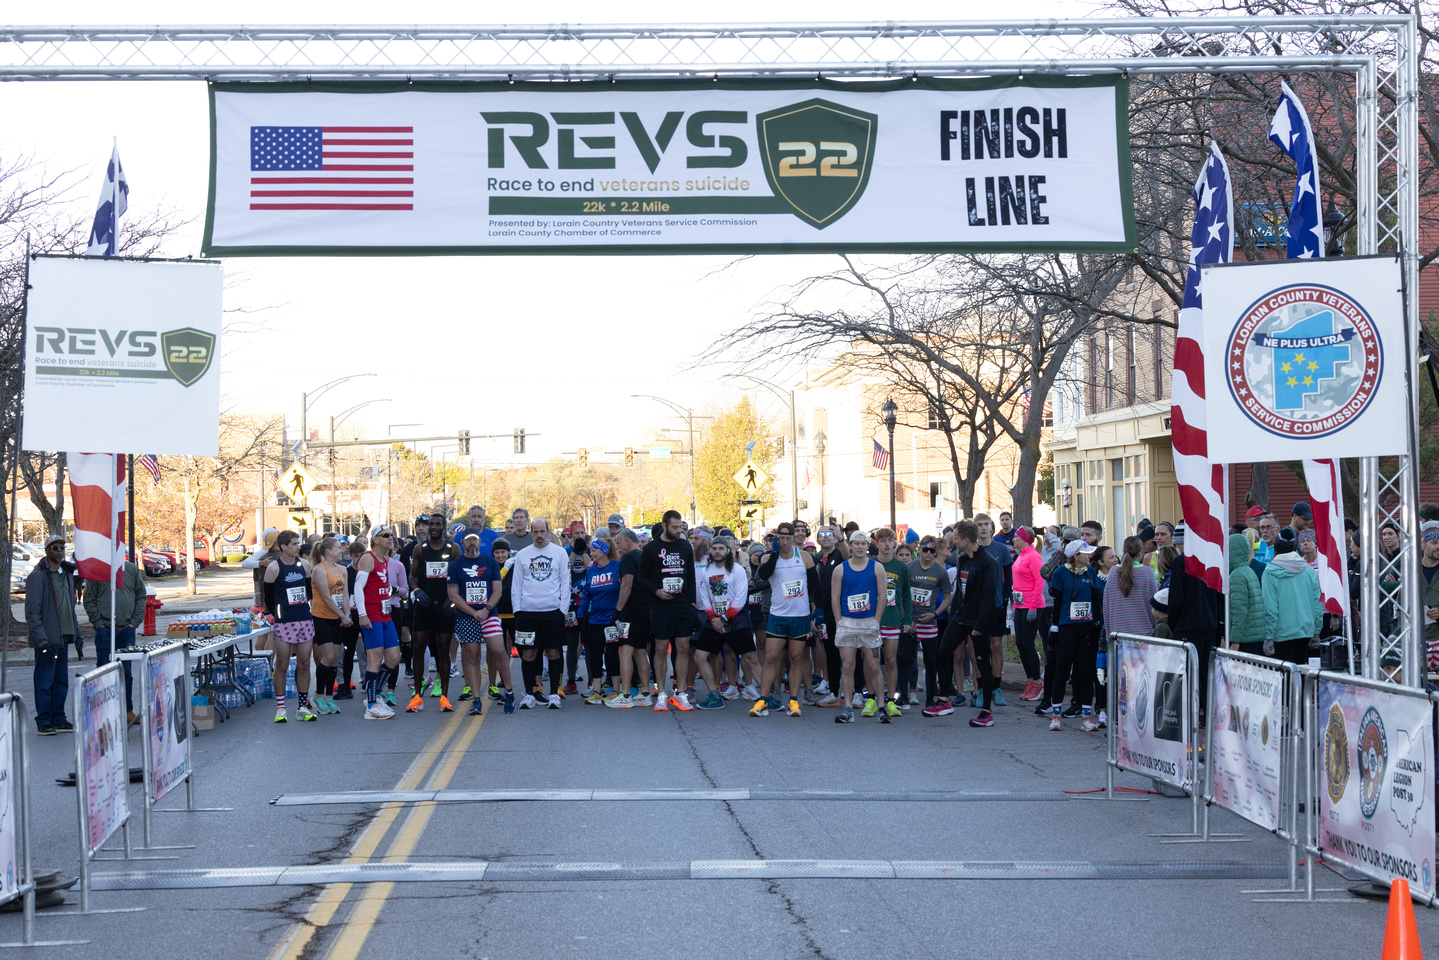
{"x": 672, "y": 618}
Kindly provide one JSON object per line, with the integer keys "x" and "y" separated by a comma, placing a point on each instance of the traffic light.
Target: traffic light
{"x": 629, "y": 456}
{"x": 584, "y": 456}
{"x": 465, "y": 443}
{"x": 519, "y": 439}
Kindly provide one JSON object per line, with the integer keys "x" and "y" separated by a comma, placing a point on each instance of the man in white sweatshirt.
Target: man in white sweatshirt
{"x": 540, "y": 594}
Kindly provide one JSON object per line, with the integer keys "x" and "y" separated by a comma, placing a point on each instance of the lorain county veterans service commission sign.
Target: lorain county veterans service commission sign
{"x": 1036, "y": 164}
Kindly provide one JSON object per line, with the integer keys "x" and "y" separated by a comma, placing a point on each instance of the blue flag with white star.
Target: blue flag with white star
{"x": 1290, "y": 130}
{"x": 1212, "y": 239}
{"x": 114, "y": 197}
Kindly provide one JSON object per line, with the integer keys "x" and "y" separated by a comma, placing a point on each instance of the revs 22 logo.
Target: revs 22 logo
{"x": 1304, "y": 361}
{"x": 817, "y": 157}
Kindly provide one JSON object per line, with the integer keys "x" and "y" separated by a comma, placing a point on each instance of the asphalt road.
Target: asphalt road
{"x": 622, "y": 876}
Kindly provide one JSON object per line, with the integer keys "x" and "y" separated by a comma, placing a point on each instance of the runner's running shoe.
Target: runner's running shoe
{"x": 794, "y": 708}
{"x": 1055, "y": 723}
{"x": 554, "y": 700}
{"x": 594, "y": 697}
{"x": 619, "y": 702}
{"x": 760, "y": 708}
{"x": 446, "y": 706}
{"x": 1033, "y": 690}
{"x": 829, "y": 700}
{"x": 1103, "y": 720}
{"x": 844, "y": 716}
{"x": 712, "y": 702}
{"x": 751, "y": 692}
{"x": 982, "y": 719}
{"x": 416, "y": 704}
{"x": 527, "y": 702}
{"x": 642, "y": 700}
{"x": 280, "y": 715}
{"x": 681, "y": 701}
{"x": 304, "y": 712}
{"x": 466, "y": 693}
{"x": 822, "y": 688}
{"x": 390, "y": 700}
{"x": 569, "y": 689}
{"x": 999, "y": 698}
{"x": 378, "y": 711}
{"x": 475, "y": 710}
{"x": 662, "y": 702}
{"x": 869, "y": 707}
{"x": 1088, "y": 724}
{"x": 940, "y": 708}
{"x": 891, "y": 709}
{"x": 509, "y": 701}
{"x": 858, "y": 701}
{"x": 435, "y": 688}
{"x": 496, "y": 693}
{"x": 729, "y": 691}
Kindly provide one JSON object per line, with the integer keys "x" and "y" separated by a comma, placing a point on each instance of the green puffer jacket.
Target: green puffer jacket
{"x": 1246, "y": 601}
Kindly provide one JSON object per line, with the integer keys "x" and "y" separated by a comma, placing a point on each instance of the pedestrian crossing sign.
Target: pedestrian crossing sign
{"x": 297, "y": 482}
{"x": 751, "y": 477}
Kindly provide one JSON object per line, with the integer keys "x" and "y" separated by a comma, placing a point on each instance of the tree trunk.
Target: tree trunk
{"x": 1024, "y": 476}
{"x": 1258, "y": 494}
{"x": 189, "y": 546}
{"x": 53, "y": 513}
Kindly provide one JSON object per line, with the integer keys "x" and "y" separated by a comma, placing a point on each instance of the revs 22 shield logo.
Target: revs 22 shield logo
{"x": 817, "y": 157}
{"x": 1304, "y": 361}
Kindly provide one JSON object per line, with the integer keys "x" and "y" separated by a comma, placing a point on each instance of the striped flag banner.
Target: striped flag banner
{"x": 1201, "y": 480}
{"x": 97, "y": 493}
{"x": 151, "y": 465}
{"x": 881, "y": 455}
{"x": 1326, "y": 497}
{"x": 332, "y": 168}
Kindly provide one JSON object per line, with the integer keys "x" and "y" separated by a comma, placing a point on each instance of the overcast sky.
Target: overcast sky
{"x": 553, "y": 344}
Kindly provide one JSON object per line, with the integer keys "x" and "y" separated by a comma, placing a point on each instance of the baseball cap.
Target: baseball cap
{"x": 470, "y": 532}
{"x": 858, "y": 537}
{"x": 1077, "y": 546}
{"x": 616, "y": 519}
{"x": 785, "y": 528}
{"x": 1301, "y": 509}
{"x": 53, "y": 538}
{"x": 1146, "y": 532}
{"x": 1253, "y": 512}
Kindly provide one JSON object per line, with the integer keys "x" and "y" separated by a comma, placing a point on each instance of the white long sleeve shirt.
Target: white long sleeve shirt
{"x": 541, "y": 579}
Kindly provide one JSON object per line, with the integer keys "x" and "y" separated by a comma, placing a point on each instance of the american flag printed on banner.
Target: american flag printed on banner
{"x": 1201, "y": 481}
{"x": 151, "y": 465}
{"x": 332, "y": 168}
{"x": 881, "y": 455}
{"x": 97, "y": 496}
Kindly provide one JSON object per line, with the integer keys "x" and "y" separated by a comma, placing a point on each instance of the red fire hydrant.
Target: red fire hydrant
{"x": 152, "y": 603}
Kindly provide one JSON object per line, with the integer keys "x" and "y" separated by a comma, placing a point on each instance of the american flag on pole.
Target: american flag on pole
{"x": 332, "y": 168}
{"x": 1291, "y": 132}
{"x": 1201, "y": 481}
{"x": 881, "y": 455}
{"x": 151, "y": 465}
{"x": 97, "y": 494}
{"x": 114, "y": 199}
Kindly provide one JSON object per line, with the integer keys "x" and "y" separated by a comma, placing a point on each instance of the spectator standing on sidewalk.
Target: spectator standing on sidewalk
{"x": 129, "y": 614}
{"x": 50, "y": 617}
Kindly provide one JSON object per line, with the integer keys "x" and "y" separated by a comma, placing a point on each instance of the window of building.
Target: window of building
{"x": 1096, "y": 491}
{"x": 1135, "y": 482}
{"x": 937, "y": 493}
{"x": 935, "y": 415}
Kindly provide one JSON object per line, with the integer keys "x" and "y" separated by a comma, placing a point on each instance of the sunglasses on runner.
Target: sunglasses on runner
{"x": 928, "y": 550}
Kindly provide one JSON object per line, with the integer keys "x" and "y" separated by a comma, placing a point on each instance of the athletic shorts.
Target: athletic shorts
{"x": 470, "y": 630}
{"x": 381, "y": 636}
{"x": 994, "y": 626}
{"x": 639, "y": 633}
{"x": 432, "y": 619}
{"x": 759, "y": 619}
{"x": 328, "y": 631}
{"x": 857, "y": 633}
{"x": 926, "y": 631}
{"x": 673, "y": 621}
{"x": 886, "y": 634}
{"x": 789, "y": 628}
{"x": 740, "y": 642}
{"x": 296, "y": 631}
{"x": 542, "y": 630}
{"x": 400, "y": 615}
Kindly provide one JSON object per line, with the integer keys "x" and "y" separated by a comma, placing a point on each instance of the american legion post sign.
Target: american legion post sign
{"x": 1305, "y": 358}
{"x": 670, "y": 167}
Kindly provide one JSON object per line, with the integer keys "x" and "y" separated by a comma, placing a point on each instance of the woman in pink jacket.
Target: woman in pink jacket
{"x": 1030, "y": 611}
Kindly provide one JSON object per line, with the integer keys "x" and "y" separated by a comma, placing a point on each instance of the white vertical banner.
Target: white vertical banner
{"x": 166, "y": 720}
{"x": 100, "y": 714}
{"x": 1152, "y": 732}
{"x": 1245, "y": 723}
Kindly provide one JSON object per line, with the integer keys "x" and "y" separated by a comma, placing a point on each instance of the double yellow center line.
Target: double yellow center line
{"x": 446, "y": 748}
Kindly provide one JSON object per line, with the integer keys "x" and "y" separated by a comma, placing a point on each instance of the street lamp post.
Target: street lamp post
{"x": 820, "y": 440}
{"x": 890, "y": 409}
{"x": 689, "y": 416}
{"x": 309, "y": 397}
{"x": 793, "y": 440}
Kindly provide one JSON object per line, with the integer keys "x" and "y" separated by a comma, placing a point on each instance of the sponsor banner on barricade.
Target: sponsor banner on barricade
{"x": 9, "y": 818}
{"x": 1245, "y": 723}
{"x": 101, "y": 712}
{"x": 1152, "y": 729}
{"x": 677, "y": 166}
{"x": 1376, "y": 789}
{"x": 167, "y": 725}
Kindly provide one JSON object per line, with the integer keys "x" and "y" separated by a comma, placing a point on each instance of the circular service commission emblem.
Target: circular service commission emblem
{"x": 1336, "y": 755}
{"x": 1304, "y": 361}
{"x": 1373, "y": 761}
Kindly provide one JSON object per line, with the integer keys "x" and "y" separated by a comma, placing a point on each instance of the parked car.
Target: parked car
{"x": 156, "y": 564}
{"x": 177, "y": 557}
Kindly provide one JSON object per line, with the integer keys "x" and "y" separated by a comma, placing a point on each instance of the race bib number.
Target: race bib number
{"x": 436, "y": 568}
{"x": 673, "y": 584}
{"x": 477, "y": 594}
{"x": 338, "y": 599}
{"x": 821, "y": 630}
{"x": 858, "y": 603}
{"x": 756, "y": 599}
{"x": 571, "y": 620}
{"x": 623, "y": 629}
{"x": 1079, "y": 611}
{"x": 793, "y": 588}
{"x": 612, "y": 633}
{"x": 889, "y": 596}
{"x": 385, "y": 606}
{"x": 524, "y": 638}
{"x": 920, "y": 596}
{"x": 1018, "y": 597}
{"x": 294, "y": 595}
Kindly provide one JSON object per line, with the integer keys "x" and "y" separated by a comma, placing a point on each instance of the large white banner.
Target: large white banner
{"x": 1300, "y": 351}
{"x": 676, "y": 166}
{"x": 1376, "y": 802}
{"x": 1244, "y": 739}
{"x": 1153, "y": 703}
{"x": 101, "y": 716}
{"x": 123, "y": 356}
{"x": 167, "y": 720}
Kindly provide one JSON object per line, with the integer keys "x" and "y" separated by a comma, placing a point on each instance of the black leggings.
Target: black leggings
{"x": 351, "y": 637}
{"x": 600, "y": 655}
{"x": 1073, "y": 651}
{"x": 1025, "y": 632}
{"x": 907, "y": 661}
{"x": 954, "y": 637}
{"x": 931, "y": 669}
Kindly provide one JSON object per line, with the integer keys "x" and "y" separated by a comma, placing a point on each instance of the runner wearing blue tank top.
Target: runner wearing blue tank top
{"x": 857, "y": 590}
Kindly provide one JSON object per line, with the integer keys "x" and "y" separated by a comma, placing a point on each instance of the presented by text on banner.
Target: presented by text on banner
{"x": 670, "y": 167}
{"x": 1376, "y": 790}
{"x": 1245, "y": 727}
{"x": 101, "y": 709}
{"x": 1304, "y": 350}
{"x": 1153, "y": 705}
{"x": 168, "y": 720}
{"x": 123, "y": 355}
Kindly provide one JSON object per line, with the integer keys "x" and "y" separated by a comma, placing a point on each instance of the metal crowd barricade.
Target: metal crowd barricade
{"x": 1120, "y": 707}
{"x": 16, "y": 790}
{"x": 1317, "y": 757}
{"x": 179, "y": 721}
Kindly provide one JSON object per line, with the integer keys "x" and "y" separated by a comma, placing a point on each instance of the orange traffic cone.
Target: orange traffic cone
{"x": 1401, "y": 933}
